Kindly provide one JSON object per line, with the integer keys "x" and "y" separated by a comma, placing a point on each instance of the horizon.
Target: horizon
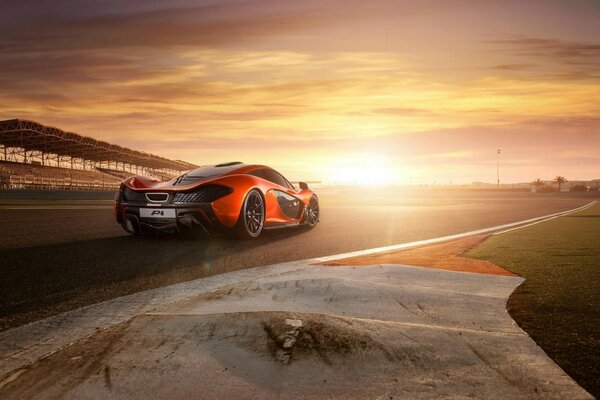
{"x": 390, "y": 93}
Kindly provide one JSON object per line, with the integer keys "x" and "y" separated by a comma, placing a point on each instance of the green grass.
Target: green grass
{"x": 558, "y": 305}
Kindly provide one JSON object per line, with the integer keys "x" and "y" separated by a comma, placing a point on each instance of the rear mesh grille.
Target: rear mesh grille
{"x": 204, "y": 194}
{"x": 130, "y": 196}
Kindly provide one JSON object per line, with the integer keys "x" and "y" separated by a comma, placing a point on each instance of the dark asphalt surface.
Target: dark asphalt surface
{"x": 74, "y": 254}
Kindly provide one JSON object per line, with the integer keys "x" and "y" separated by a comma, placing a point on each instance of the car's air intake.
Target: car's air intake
{"x": 157, "y": 197}
{"x": 203, "y": 194}
{"x": 130, "y": 196}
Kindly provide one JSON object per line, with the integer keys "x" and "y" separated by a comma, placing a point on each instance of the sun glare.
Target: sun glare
{"x": 362, "y": 171}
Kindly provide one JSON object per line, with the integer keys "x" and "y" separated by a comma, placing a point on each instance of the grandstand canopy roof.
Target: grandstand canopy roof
{"x": 34, "y": 136}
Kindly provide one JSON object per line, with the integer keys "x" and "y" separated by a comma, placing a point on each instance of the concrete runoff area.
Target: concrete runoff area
{"x": 302, "y": 331}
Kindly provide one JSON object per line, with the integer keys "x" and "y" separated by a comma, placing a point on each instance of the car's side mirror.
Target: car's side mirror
{"x": 302, "y": 185}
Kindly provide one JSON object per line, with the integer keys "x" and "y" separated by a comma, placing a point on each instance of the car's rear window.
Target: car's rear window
{"x": 205, "y": 172}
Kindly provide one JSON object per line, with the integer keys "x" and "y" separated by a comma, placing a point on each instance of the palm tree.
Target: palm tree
{"x": 538, "y": 183}
{"x": 559, "y": 180}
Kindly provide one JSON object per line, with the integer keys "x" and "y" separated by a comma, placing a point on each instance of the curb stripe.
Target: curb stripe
{"x": 503, "y": 228}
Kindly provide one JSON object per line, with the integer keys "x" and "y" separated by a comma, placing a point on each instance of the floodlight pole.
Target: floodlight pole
{"x": 498, "y": 167}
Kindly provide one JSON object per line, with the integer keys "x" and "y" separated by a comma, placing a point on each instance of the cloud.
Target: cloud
{"x": 288, "y": 81}
{"x": 198, "y": 26}
{"x": 87, "y": 25}
{"x": 557, "y": 59}
{"x": 571, "y": 52}
{"x": 512, "y": 67}
{"x": 403, "y": 111}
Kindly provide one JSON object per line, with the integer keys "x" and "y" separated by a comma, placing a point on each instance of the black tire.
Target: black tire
{"x": 252, "y": 216}
{"x": 311, "y": 213}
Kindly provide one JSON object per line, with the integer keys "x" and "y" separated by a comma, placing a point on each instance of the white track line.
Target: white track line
{"x": 547, "y": 219}
{"x": 503, "y": 228}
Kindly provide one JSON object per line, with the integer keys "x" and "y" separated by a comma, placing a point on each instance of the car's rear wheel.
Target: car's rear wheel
{"x": 311, "y": 214}
{"x": 252, "y": 216}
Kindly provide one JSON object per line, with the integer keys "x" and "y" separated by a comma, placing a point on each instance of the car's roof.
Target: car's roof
{"x": 229, "y": 168}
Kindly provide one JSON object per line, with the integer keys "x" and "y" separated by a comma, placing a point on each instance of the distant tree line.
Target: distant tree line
{"x": 559, "y": 181}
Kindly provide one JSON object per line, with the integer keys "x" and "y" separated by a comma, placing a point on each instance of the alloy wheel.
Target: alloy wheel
{"x": 254, "y": 213}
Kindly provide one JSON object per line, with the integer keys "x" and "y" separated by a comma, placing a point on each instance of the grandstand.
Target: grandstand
{"x": 34, "y": 156}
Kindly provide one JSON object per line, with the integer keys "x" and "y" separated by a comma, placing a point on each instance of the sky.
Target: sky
{"x": 353, "y": 91}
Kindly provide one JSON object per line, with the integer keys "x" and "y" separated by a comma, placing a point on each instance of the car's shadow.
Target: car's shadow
{"x": 44, "y": 280}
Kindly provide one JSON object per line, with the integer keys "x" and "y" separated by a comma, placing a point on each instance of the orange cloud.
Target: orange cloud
{"x": 428, "y": 87}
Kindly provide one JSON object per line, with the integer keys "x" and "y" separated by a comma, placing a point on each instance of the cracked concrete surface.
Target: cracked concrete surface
{"x": 302, "y": 331}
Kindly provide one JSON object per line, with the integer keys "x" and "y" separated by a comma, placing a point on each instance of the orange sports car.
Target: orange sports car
{"x": 233, "y": 197}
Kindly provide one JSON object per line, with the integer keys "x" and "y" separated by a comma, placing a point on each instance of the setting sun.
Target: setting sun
{"x": 367, "y": 170}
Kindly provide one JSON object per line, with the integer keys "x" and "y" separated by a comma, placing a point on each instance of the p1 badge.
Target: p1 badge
{"x": 157, "y": 213}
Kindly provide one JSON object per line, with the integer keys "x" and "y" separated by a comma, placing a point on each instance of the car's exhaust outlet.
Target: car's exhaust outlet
{"x": 132, "y": 225}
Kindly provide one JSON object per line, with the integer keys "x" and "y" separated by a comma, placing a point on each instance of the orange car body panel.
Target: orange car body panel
{"x": 227, "y": 208}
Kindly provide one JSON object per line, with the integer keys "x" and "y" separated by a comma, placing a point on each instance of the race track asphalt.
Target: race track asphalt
{"x": 62, "y": 256}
